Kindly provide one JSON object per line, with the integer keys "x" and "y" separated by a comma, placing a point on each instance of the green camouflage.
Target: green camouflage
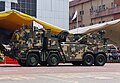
{"x": 73, "y": 49}
{"x": 1, "y": 57}
{"x": 76, "y": 45}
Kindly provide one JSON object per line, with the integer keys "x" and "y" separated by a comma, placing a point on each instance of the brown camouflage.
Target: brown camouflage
{"x": 74, "y": 47}
{"x": 74, "y": 50}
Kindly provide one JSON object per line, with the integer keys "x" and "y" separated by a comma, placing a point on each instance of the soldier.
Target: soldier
{"x": 16, "y": 35}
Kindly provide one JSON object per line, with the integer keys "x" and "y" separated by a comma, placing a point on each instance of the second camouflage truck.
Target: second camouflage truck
{"x": 31, "y": 48}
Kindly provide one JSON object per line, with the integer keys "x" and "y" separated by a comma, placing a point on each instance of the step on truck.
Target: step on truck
{"x": 31, "y": 48}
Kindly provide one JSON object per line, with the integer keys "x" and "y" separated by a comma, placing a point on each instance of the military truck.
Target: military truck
{"x": 42, "y": 47}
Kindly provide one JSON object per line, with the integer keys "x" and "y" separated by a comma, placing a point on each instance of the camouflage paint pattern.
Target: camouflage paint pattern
{"x": 53, "y": 43}
{"x": 74, "y": 49}
{"x": 1, "y": 56}
{"x": 26, "y": 39}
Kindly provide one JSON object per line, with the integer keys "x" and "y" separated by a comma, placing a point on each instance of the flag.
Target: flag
{"x": 7, "y": 47}
{"x": 37, "y": 26}
{"x": 75, "y": 16}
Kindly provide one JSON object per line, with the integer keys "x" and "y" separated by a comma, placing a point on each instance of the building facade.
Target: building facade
{"x": 93, "y": 11}
{"x": 55, "y": 12}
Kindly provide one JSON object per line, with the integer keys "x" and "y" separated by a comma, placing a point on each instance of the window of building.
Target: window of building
{"x": 74, "y": 27}
{"x": 70, "y": 18}
{"x": 26, "y": 6}
{"x": 99, "y": 22}
{"x": 82, "y": 25}
{"x": 91, "y": 9}
{"x": 100, "y": 8}
{"x": 82, "y": 12}
{"x": 103, "y": 21}
{"x": 113, "y": 5}
{"x": 103, "y": 7}
{"x": 112, "y": 19}
{"x": 91, "y": 23}
{"x": 2, "y": 5}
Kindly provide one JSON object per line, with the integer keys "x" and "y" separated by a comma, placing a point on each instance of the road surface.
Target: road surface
{"x": 110, "y": 73}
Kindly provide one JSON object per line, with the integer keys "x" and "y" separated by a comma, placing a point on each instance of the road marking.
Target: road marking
{"x": 4, "y": 77}
{"x": 12, "y": 77}
{"x": 10, "y": 70}
{"x": 103, "y": 78}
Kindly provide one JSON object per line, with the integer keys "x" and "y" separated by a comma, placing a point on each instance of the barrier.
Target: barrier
{"x": 8, "y": 60}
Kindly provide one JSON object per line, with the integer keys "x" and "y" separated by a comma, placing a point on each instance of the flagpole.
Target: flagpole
{"x": 76, "y": 17}
{"x": 77, "y": 21}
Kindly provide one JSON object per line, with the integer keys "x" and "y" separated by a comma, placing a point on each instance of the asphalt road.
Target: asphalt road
{"x": 110, "y": 73}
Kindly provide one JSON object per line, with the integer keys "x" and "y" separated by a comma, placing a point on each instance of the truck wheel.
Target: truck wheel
{"x": 100, "y": 60}
{"x": 22, "y": 63}
{"x": 32, "y": 60}
{"x": 88, "y": 60}
{"x": 53, "y": 60}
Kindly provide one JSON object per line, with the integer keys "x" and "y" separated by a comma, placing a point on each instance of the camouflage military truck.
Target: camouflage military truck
{"x": 31, "y": 48}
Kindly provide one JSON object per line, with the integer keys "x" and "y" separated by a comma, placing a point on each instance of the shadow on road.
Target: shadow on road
{"x": 61, "y": 65}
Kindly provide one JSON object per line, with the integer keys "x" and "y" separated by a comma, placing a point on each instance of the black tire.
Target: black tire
{"x": 22, "y": 63}
{"x": 100, "y": 60}
{"x": 88, "y": 60}
{"x": 32, "y": 60}
{"x": 53, "y": 60}
{"x": 76, "y": 63}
